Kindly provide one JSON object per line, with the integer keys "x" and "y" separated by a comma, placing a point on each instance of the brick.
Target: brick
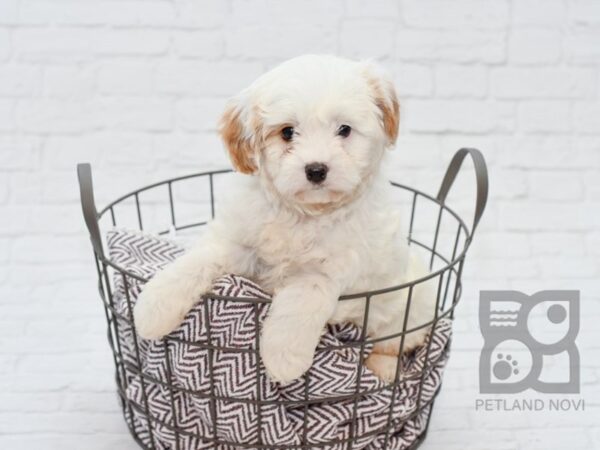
{"x": 497, "y": 267}
{"x": 208, "y": 14}
{"x": 14, "y": 219}
{"x": 540, "y": 439}
{"x": 29, "y": 402}
{"x": 534, "y": 46}
{"x": 356, "y": 34}
{"x": 101, "y": 402}
{"x": 584, "y": 14}
{"x": 202, "y": 150}
{"x": 586, "y": 117}
{"x": 57, "y": 188}
{"x": 504, "y": 245}
{"x": 84, "y": 327}
{"x": 462, "y": 116}
{"x": 73, "y": 12}
{"x": 69, "y": 81}
{"x": 558, "y": 151}
{"x": 126, "y": 78}
{"x": 18, "y": 153}
{"x": 462, "y": 46}
{"x": 545, "y": 116}
{"x": 205, "y": 44}
{"x": 7, "y": 118}
{"x": 22, "y": 274}
{"x": 5, "y": 44}
{"x": 59, "y": 422}
{"x": 581, "y": 47}
{"x": 510, "y": 184}
{"x": 557, "y": 244}
{"x": 57, "y": 442}
{"x": 456, "y": 14}
{"x": 224, "y": 78}
{"x": 9, "y": 12}
{"x": 4, "y": 194}
{"x": 32, "y": 383}
{"x": 8, "y": 362}
{"x": 578, "y": 419}
{"x": 59, "y": 219}
{"x": 133, "y": 114}
{"x": 64, "y": 152}
{"x": 53, "y": 45}
{"x": 537, "y": 216}
{"x": 461, "y": 81}
{"x": 592, "y": 243}
{"x": 55, "y": 116}
{"x": 127, "y": 147}
{"x": 372, "y": 9}
{"x": 288, "y": 12}
{"x": 145, "y": 13}
{"x": 555, "y": 186}
{"x": 416, "y": 151}
{"x": 19, "y": 80}
{"x": 40, "y": 12}
{"x": 413, "y": 80}
{"x": 591, "y": 180}
{"x": 52, "y": 363}
{"x": 265, "y": 41}
{"x": 542, "y": 83}
{"x": 527, "y": 12}
{"x": 200, "y": 114}
{"x": 131, "y": 42}
{"x": 505, "y": 421}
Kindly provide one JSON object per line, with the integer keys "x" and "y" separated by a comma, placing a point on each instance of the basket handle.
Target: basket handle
{"x": 88, "y": 205}
{"x": 481, "y": 176}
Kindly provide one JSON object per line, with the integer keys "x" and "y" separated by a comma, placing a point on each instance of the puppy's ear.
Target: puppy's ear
{"x": 384, "y": 96}
{"x": 238, "y": 141}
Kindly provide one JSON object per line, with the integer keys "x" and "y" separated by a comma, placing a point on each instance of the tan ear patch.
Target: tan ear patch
{"x": 387, "y": 102}
{"x": 391, "y": 117}
{"x": 240, "y": 148}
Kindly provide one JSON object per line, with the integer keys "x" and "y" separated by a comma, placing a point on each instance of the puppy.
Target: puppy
{"x": 313, "y": 222}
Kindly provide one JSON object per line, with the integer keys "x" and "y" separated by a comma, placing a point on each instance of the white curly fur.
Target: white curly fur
{"x": 306, "y": 243}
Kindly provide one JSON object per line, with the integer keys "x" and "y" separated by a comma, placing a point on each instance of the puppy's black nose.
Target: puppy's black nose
{"x": 316, "y": 172}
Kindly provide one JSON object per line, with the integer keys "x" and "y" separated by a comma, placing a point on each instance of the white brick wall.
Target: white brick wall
{"x": 135, "y": 87}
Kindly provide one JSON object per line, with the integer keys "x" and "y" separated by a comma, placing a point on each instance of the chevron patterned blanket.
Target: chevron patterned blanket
{"x": 198, "y": 410}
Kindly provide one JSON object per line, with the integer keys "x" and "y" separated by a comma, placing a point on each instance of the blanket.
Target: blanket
{"x": 178, "y": 392}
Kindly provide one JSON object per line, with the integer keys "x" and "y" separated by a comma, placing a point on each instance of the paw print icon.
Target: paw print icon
{"x": 505, "y": 367}
{"x": 529, "y": 342}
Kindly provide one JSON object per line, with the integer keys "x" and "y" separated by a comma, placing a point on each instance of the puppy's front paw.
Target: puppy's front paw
{"x": 384, "y": 366}
{"x": 287, "y": 350}
{"x": 158, "y": 311}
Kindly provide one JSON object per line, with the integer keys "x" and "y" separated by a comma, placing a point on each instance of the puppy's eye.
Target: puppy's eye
{"x": 344, "y": 130}
{"x": 287, "y": 133}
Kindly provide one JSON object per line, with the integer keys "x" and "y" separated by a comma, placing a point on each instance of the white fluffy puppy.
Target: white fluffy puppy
{"x": 312, "y": 223}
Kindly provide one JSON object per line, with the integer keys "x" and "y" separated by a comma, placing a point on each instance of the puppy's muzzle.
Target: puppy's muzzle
{"x": 316, "y": 172}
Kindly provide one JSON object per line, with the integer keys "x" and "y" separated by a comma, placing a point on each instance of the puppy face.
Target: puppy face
{"x": 314, "y": 129}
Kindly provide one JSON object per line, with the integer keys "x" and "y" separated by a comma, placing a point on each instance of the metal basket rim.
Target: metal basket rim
{"x": 371, "y": 293}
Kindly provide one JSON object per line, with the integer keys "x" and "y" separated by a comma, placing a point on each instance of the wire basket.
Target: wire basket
{"x": 444, "y": 238}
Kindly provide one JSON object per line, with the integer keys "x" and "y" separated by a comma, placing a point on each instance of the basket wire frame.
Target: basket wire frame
{"x": 449, "y": 288}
